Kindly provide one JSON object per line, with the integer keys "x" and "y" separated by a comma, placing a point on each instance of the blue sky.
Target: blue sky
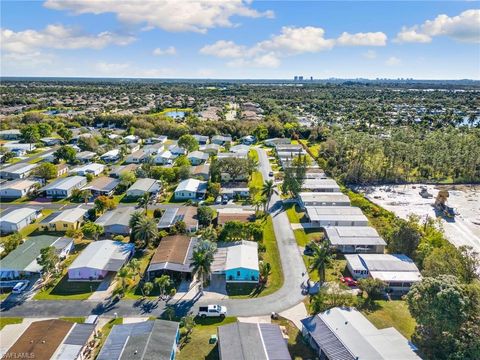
{"x": 241, "y": 39}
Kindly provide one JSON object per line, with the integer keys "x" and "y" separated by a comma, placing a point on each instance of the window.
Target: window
{"x": 238, "y": 273}
{"x": 65, "y": 225}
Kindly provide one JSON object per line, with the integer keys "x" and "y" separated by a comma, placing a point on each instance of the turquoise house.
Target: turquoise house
{"x": 240, "y": 262}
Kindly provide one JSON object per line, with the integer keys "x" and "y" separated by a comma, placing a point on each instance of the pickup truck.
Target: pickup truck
{"x": 212, "y": 311}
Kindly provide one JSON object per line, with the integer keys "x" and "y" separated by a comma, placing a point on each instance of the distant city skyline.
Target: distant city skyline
{"x": 241, "y": 39}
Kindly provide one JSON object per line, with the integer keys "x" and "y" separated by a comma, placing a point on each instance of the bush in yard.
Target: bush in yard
{"x": 374, "y": 288}
{"x": 157, "y": 213}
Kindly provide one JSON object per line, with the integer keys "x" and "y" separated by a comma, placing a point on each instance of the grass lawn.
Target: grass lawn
{"x": 198, "y": 347}
{"x": 252, "y": 154}
{"x": 393, "y": 313}
{"x": 304, "y": 236}
{"x": 296, "y": 345}
{"x": 4, "y": 295}
{"x": 272, "y": 256}
{"x": 9, "y": 321}
{"x": 294, "y": 213}
{"x": 133, "y": 292}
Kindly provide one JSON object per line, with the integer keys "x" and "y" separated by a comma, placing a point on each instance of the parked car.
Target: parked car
{"x": 270, "y": 173}
{"x": 308, "y": 250}
{"x": 225, "y": 200}
{"x": 348, "y": 281}
{"x": 212, "y": 311}
{"x": 218, "y": 200}
{"x": 20, "y": 287}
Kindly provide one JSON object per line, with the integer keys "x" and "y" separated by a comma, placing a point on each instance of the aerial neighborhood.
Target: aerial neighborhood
{"x": 208, "y": 221}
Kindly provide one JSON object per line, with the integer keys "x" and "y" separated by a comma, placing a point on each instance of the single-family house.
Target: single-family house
{"x": 12, "y": 134}
{"x": 177, "y": 150}
{"x": 17, "y": 171}
{"x": 100, "y": 258}
{"x": 172, "y": 215}
{"x": 345, "y": 333}
{"x": 137, "y": 157}
{"x": 355, "y": 239}
{"x": 227, "y": 155}
{"x": 157, "y": 139}
{"x": 50, "y": 141}
{"x": 131, "y": 139}
{"x": 132, "y": 147}
{"x": 322, "y": 199}
{"x": 94, "y": 169}
{"x": 16, "y": 189}
{"x": 14, "y": 220}
{"x": 211, "y": 149}
{"x": 118, "y": 170}
{"x": 320, "y": 185}
{"x": 233, "y": 190}
{"x": 397, "y": 271}
{"x": 77, "y": 341}
{"x": 64, "y": 220}
{"x": 173, "y": 257}
{"x": 143, "y": 186}
{"x": 154, "y": 149}
{"x": 102, "y": 185}
{"x": 202, "y": 139}
{"x": 146, "y": 340}
{"x": 248, "y": 140}
{"x": 321, "y": 216}
{"x": 23, "y": 260}
{"x": 111, "y": 156}
{"x": 197, "y": 157}
{"x": 63, "y": 187}
{"x": 190, "y": 189}
{"x": 86, "y": 156}
{"x": 237, "y": 262}
{"x": 225, "y": 215}
{"x": 62, "y": 169}
{"x": 221, "y": 139}
{"x": 315, "y": 173}
{"x": 240, "y": 149}
{"x": 200, "y": 172}
{"x": 164, "y": 158}
{"x": 116, "y": 221}
{"x": 276, "y": 141}
{"x": 19, "y": 149}
{"x": 247, "y": 341}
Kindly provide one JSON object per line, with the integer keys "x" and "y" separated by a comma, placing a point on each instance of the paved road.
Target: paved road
{"x": 36, "y": 156}
{"x": 285, "y": 298}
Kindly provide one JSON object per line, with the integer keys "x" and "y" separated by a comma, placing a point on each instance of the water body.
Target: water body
{"x": 176, "y": 114}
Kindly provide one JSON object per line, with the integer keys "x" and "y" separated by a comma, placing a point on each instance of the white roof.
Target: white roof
{"x": 69, "y": 215}
{"x": 94, "y": 167}
{"x": 242, "y": 255}
{"x": 332, "y": 213}
{"x": 103, "y": 255}
{"x": 198, "y": 154}
{"x": 320, "y": 184}
{"x": 143, "y": 184}
{"x": 394, "y": 276}
{"x": 64, "y": 183}
{"x": 17, "y": 184}
{"x": 111, "y": 153}
{"x": 189, "y": 185}
{"x": 19, "y": 168}
{"x": 325, "y": 197}
{"x": 363, "y": 339}
{"x": 353, "y": 235}
{"x": 17, "y": 215}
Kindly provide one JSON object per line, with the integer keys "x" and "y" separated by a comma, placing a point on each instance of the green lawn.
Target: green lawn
{"x": 4, "y": 295}
{"x": 392, "y": 314}
{"x": 297, "y": 347}
{"x": 9, "y": 321}
{"x": 29, "y": 229}
{"x": 198, "y": 346}
{"x": 133, "y": 292}
{"x": 252, "y": 154}
{"x": 294, "y": 213}
{"x": 332, "y": 274}
{"x": 303, "y": 237}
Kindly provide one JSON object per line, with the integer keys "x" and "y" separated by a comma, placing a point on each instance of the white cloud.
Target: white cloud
{"x": 168, "y": 51}
{"x": 170, "y": 15}
{"x": 370, "y": 54}
{"x": 362, "y": 39}
{"x": 57, "y": 37}
{"x": 464, "y": 27}
{"x": 224, "y": 49}
{"x": 393, "y": 61}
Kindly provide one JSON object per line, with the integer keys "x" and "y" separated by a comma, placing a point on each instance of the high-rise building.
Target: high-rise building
{"x": 295, "y": 78}
{"x": 300, "y": 78}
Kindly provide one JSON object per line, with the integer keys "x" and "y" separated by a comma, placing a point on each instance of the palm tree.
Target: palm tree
{"x": 202, "y": 259}
{"x": 265, "y": 269}
{"x": 125, "y": 276}
{"x": 134, "y": 266}
{"x": 209, "y": 234}
{"x": 143, "y": 202}
{"x": 268, "y": 189}
{"x": 145, "y": 230}
{"x": 162, "y": 283}
{"x": 86, "y": 194}
{"x": 321, "y": 259}
{"x": 258, "y": 202}
{"x": 147, "y": 289}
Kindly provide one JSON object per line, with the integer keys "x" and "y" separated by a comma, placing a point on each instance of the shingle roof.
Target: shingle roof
{"x": 173, "y": 253}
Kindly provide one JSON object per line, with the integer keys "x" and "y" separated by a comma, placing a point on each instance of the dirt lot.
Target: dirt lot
{"x": 405, "y": 199}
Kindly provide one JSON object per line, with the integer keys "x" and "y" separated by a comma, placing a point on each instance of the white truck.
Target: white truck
{"x": 212, "y": 311}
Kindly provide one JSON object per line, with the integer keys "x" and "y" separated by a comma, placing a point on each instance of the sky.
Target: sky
{"x": 237, "y": 39}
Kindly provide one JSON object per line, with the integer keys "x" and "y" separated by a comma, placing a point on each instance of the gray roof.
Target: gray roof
{"x": 245, "y": 341}
{"x": 145, "y": 184}
{"x": 79, "y": 334}
{"x": 353, "y": 235}
{"x": 64, "y": 183}
{"x": 146, "y": 340}
{"x": 103, "y": 255}
{"x": 19, "y": 168}
{"x": 16, "y": 215}
{"x": 169, "y": 218}
{"x": 119, "y": 216}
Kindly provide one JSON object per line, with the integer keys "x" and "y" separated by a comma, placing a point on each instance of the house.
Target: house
{"x": 132, "y": 147}
{"x": 397, "y": 271}
{"x": 227, "y": 155}
{"x": 322, "y": 199}
{"x": 246, "y": 341}
{"x": 23, "y": 260}
{"x": 137, "y": 157}
{"x": 173, "y": 256}
{"x": 234, "y": 190}
{"x": 111, "y": 156}
{"x": 211, "y": 149}
{"x": 321, "y": 216}
{"x": 62, "y": 169}
{"x": 233, "y": 214}
{"x": 200, "y": 171}
{"x": 221, "y": 140}
{"x": 197, "y": 157}
{"x": 63, "y": 187}
{"x": 172, "y": 215}
{"x": 344, "y": 333}
{"x": 16, "y": 189}
{"x": 143, "y": 186}
{"x": 315, "y": 173}
{"x": 240, "y": 149}
{"x": 13, "y": 134}
{"x": 50, "y": 141}
{"x": 237, "y": 262}
{"x": 146, "y": 340}
{"x": 116, "y": 221}
{"x": 164, "y": 158}
{"x": 74, "y": 345}
{"x": 289, "y": 148}
{"x": 94, "y": 169}
{"x": 69, "y": 219}
{"x": 16, "y": 219}
{"x": 276, "y": 141}
{"x": 19, "y": 149}
{"x": 202, "y": 139}
{"x": 177, "y": 150}
{"x": 320, "y": 185}
{"x": 248, "y": 140}
{"x": 352, "y": 239}
{"x": 118, "y": 170}
{"x": 190, "y": 189}
{"x": 131, "y": 139}
{"x": 102, "y": 185}
{"x": 86, "y": 156}
{"x": 154, "y": 149}
{"x": 41, "y": 339}
{"x": 157, "y": 139}
{"x": 17, "y": 171}
{"x": 100, "y": 258}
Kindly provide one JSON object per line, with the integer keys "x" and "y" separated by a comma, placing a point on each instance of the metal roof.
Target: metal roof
{"x": 192, "y": 185}
{"x": 144, "y": 184}
{"x": 14, "y": 216}
{"x": 64, "y": 183}
{"x": 19, "y": 168}
{"x": 103, "y": 255}
{"x": 353, "y": 235}
{"x": 119, "y": 216}
{"x": 20, "y": 184}
{"x": 324, "y": 197}
{"x": 168, "y": 218}
{"x": 243, "y": 254}
{"x": 103, "y": 183}
{"x": 335, "y": 213}
{"x": 69, "y": 215}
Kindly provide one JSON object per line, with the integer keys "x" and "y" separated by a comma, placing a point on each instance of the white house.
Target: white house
{"x": 322, "y": 199}
{"x": 63, "y": 187}
{"x": 17, "y": 171}
{"x": 355, "y": 239}
{"x": 17, "y": 188}
{"x": 197, "y": 157}
{"x": 143, "y": 186}
{"x": 221, "y": 140}
{"x": 321, "y": 216}
{"x": 86, "y": 156}
{"x": 164, "y": 158}
{"x": 191, "y": 189}
{"x": 211, "y": 149}
{"x": 137, "y": 157}
{"x": 16, "y": 219}
{"x": 111, "y": 156}
{"x": 94, "y": 169}
{"x": 177, "y": 150}
{"x": 131, "y": 139}
{"x": 321, "y": 185}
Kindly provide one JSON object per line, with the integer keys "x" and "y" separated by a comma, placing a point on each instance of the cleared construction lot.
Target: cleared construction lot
{"x": 403, "y": 200}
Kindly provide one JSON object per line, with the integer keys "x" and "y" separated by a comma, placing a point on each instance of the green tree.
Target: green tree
{"x": 322, "y": 258}
{"x": 143, "y": 201}
{"x": 264, "y": 270}
{"x": 44, "y": 129}
{"x": 66, "y": 153}
{"x": 330, "y": 297}
{"x": 11, "y": 242}
{"x": 147, "y": 288}
{"x": 103, "y": 203}
{"x": 162, "y": 283}
{"x": 48, "y": 260}
{"x": 92, "y": 230}
{"x": 209, "y": 233}
{"x": 268, "y": 189}
{"x": 132, "y": 223}
{"x": 188, "y": 142}
{"x": 232, "y": 230}
{"x": 125, "y": 277}
{"x": 46, "y": 171}
{"x": 87, "y": 143}
{"x": 145, "y": 230}
{"x": 127, "y": 178}
{"x": 30, "y": 134}
{"x": 404, "y": 238}
{"x": 205, "y": 215}
{"x": 187, "y": 323}
{"x": 374, "y": 288}
{"x": 135, "y": 267}
{"x": 65, "y": 134}
{"x": 202, "y": 259}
